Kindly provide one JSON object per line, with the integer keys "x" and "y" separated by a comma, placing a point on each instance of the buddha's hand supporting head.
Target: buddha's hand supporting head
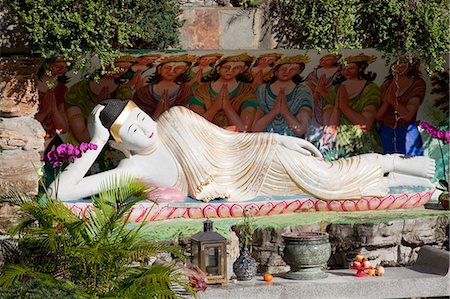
{"x": 97, "y": 131}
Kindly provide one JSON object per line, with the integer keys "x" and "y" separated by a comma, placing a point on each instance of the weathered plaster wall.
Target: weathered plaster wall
{"x": 224, "y": 28}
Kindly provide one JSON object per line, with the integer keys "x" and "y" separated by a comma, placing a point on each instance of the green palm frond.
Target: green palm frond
{"x": 96, "y": 252}
{"x": 15, "y": 273}
{"x": 15, "y": 198}
{"x": 156, "y": 281}
{"x": 120, "y": 192}
{"x": 111, "y": 210}
{"x": 13, "y": 231}
{"x": 10, "y": 250}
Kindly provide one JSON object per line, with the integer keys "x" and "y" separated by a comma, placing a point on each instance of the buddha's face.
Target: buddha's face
{"x": 287, "y": 71}
{"x": 139, "y": 131}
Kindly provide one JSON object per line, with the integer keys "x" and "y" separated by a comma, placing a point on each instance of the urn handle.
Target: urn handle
{"x": 281, "y": 250}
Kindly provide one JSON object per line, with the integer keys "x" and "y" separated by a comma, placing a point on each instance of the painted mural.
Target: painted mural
{"x": 345, "y": 104}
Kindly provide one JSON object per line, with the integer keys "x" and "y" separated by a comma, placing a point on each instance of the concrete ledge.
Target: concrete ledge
{"x": 398, "y": 282}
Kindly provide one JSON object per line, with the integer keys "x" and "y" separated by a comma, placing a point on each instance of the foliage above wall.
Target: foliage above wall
{"x": 73, "y": 28}
{"x": 397, "y": 27}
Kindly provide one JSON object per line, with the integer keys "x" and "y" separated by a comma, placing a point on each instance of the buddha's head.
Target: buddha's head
{"x": 131, "y": 127}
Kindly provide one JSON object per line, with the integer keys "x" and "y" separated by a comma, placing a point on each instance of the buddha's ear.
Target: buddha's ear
{"x": 119, "y": 146}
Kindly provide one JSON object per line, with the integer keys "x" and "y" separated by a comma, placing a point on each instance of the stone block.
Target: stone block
{"x": 417, "y": 232}
{"x": 404, "y": 255}
{"x": 18, "y": 171}
{"x": 232, "y": 252}
{"x": 269, "y": 258}
{"x": 18, "y": 94}
{"x": 10, "y": 215}
{"x": 380, "y": 235}
{"x": 21, "y": 133}
{"x": 343, "y": 237}
{"x": 201, "y": 29}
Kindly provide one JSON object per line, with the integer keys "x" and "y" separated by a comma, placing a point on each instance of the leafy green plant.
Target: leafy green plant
{"x": 98, "y": 254}
{"x": 440, "y": 82}
{"x": 39, "y": 289}
{"x": 419, "y": 28}
{"x": 79, "y": 30}
{"x": 246, "y": 230}
{"x": 335, "y": 153}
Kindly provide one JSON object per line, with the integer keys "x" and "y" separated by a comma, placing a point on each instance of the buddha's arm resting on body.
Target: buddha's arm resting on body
{"x": 72, "y": 183}
{"x": 299, "y": 145}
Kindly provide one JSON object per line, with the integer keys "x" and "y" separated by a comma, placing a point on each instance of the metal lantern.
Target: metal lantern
{"x": 208, "y": 252}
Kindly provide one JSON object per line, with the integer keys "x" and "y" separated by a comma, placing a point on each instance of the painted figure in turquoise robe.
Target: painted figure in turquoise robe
{"x": 285, "y": 101}
{"x": 351, "y": 108}
{"x": 402, "y": 93}
{"x": 83, "y": 96}
{"x": 227, "y": 98}
{"x": 167, "y": 87}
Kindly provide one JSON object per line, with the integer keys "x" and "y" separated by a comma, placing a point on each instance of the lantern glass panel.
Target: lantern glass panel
{"x": 195, "y": 251}
{"x": 213, "y": 260}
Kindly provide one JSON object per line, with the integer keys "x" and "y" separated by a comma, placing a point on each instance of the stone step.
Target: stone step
{"x": 429, "y": 277}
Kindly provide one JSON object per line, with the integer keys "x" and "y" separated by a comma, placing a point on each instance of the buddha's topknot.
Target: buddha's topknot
{"x": 112, "y": 110}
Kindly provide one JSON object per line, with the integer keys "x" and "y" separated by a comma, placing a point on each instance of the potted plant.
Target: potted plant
{"x": 245, "y": 266}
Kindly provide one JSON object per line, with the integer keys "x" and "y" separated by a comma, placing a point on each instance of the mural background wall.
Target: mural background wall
{"x": 345, "y": 104}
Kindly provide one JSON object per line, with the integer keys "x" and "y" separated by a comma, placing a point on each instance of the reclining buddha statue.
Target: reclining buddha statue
{"x": 183, "y": 150}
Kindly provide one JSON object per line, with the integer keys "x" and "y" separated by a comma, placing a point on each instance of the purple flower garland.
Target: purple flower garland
{"x": 435, "y": 132}
{"x": 443, "y": 136}
{"x": 68, "y": 153}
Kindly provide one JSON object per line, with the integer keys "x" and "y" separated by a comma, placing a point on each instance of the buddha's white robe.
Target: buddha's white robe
{"x": 216, "y": 163}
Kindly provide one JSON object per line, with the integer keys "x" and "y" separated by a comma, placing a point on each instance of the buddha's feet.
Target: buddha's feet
{"x": 418, "y": 166}
{"x": 397, "y": 179}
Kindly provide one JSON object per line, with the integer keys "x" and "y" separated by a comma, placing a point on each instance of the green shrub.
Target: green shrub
{"x": 38, "y": 289}
{"x": 99, "y": 253}
{"x": 76, "y": 28}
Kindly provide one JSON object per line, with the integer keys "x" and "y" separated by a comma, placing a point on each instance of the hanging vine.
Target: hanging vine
{"x": 419, "y": 28}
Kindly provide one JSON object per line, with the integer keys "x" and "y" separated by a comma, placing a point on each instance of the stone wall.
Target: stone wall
{"x": 394, "y": 243}
{"x": 21, "y": 136}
